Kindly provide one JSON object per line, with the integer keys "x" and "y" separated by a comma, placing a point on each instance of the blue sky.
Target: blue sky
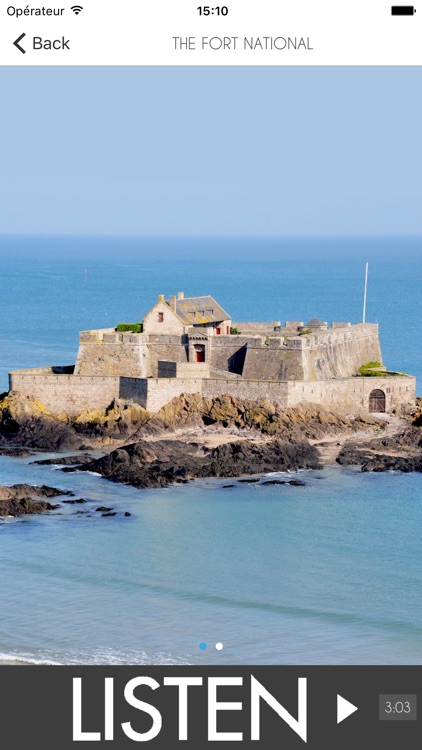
{"x": 278, "y": 151}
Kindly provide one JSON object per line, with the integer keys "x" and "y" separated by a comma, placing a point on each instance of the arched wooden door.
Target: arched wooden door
{"x": 377, "y": 401}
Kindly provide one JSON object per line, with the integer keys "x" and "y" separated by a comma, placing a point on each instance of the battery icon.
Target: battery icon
{"x": 403, "y": 10}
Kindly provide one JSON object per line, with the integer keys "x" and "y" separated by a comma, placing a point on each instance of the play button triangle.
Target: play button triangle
{"x": 344, "y": 709}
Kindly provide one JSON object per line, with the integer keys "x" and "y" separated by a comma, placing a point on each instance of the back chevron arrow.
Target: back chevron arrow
{"x": 16, "y": 43}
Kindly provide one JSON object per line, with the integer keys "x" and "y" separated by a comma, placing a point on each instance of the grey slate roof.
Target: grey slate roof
{"x": 315, "y": 323}
{"x": 200, "y": 310}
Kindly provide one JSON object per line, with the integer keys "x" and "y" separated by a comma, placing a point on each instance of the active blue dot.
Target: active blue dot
{"x": 202, "y": 646}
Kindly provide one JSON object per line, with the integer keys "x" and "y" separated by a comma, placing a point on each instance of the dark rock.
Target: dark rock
{"x": 296, "y": 483}
{"x": 24, "y": 506}
{"x": 64, "y": 460}
{"x": 107, "y": 515}
{"x": 27, "y": 490}
{"x": 127, "y": 514}
{"x": 74, "y": 502}
{"x": 103, "y": 509}
{"x": 25, "y": 422}
{"x": 163, "y": 462}
{"x": 249, "y": 481}
{"x": 15, "y": 452}
{"x": 22, "y": 499}
{"x": 399, "y": 452}
{"x": 274, "y": 481}
{"x": 228, "y": 486}
{"x": 405, "y": 464}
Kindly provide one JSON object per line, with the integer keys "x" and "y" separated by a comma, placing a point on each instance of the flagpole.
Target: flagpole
{"x": 364, "y": 294}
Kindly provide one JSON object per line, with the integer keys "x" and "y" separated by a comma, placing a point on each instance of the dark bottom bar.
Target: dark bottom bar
{"x": 191, "y": 707}
{"x": 402, "y": 10}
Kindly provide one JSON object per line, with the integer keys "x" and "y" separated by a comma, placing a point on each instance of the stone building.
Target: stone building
{"x": 191, "y": 344}
{"x": 179, "y": 314}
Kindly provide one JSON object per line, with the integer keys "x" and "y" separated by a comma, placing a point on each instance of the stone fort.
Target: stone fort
{"x": 192, "y": 345}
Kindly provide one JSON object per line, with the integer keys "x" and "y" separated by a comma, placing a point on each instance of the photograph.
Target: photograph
{"x": 210, "y": 430}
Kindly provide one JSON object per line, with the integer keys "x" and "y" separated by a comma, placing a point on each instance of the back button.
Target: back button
{"x": 17, "y": 45}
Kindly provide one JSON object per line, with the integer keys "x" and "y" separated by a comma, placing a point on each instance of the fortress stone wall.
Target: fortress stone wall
{"x": 73, "y": 394}
{"x": 351, "y": 395}
{"x": 282, "y": 355}
{"x": 68, "y": 394}
{"x": 108, "y": 353}
{"x": 264, "y": 361}
{"x": 346, "y": 396}
{"x": 245, "y": 327}
{"x": 335, "y": 353}
{"x": 229, "y": 352}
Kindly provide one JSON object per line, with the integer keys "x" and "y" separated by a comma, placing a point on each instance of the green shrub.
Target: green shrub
{"x": 382, "y": 374}
{"x": 369, "y": 369}
{"x": 234, "y": 332}
{"x": 134, "y": 327}
{"x": 305, "y": 332}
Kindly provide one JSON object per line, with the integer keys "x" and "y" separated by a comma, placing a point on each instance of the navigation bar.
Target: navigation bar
{"x": 240, "y": 32}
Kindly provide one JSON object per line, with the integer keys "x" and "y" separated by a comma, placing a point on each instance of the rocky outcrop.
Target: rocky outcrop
{"x": 120, "y": 419}
{"x": 399, "y": 452}
{"x": 160, "y": 463}
{"x": 22, "y": 499}
{"x": 15, "y": 452}
{"x": 311, "y": 420}
{"x": 417, "y": 414}
{"x": 84, "y": 458}
{"x": 26, "y": 423}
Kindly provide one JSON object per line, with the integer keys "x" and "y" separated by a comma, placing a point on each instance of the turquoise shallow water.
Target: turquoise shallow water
{"x": 327, "y": 573}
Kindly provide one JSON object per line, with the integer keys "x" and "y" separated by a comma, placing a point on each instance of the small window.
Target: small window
{"x": 218, "y": 331}
{"x": 160, "y": 317}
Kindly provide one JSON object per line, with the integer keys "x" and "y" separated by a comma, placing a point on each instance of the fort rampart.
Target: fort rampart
{"x": 72, "y": 394}
{"x": 281, "y": 355}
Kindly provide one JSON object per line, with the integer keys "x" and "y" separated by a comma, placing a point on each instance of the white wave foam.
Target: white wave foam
{"x": 25, "y": 659}
{"x": 6, "y": 520}
{"x": 96, "y": 657}
{"x": 277, "y": 474}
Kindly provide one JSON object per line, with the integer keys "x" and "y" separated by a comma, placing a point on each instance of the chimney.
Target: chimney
{"x": 172, "y": 302}
{"x": 180, "y": 295}
{"x": 161, "y": 297}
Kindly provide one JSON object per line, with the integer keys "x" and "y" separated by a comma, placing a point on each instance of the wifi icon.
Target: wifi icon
{"x": 76, "y": 9}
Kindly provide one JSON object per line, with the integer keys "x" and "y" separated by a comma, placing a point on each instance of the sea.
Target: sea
{"x": 325, "y": 573}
